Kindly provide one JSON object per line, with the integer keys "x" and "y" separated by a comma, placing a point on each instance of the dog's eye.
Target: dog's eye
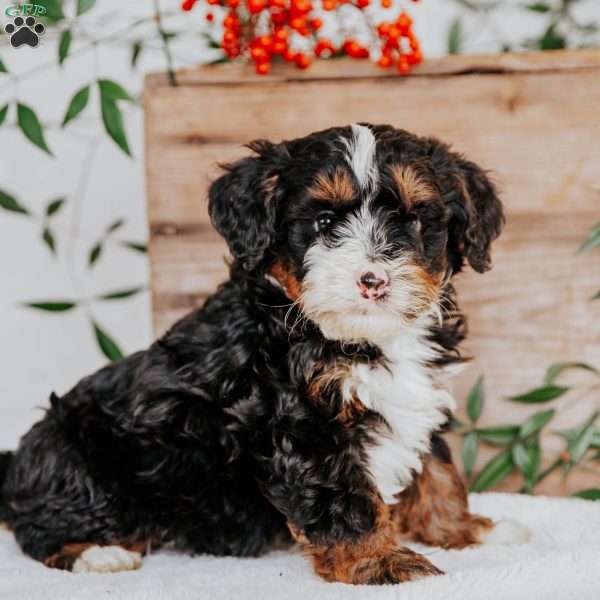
{"x": 324, "y": 221}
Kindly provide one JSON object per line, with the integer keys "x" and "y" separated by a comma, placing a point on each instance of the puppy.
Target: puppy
{"x": 304, "y": 401}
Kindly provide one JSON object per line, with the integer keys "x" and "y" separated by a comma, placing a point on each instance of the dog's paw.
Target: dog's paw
{"x": 399, "y": 566}
{"x": 506, "y": 532}
{"x": 107, "y": 559}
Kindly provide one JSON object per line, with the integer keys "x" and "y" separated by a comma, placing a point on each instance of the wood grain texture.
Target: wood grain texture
{"x": 530, "y": 118}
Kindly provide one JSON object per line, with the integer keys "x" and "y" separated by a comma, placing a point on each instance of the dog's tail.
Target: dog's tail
{"x": 5, "y": 458}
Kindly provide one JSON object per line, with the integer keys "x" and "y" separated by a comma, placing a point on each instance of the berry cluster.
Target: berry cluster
{"x": 264, "y": 30}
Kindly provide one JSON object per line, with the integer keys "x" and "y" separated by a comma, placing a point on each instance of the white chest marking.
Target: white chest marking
{"x": 407, "y": 398}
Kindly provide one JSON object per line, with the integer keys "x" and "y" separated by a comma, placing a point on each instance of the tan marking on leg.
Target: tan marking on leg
{"x": 375, "y": 558}
{"x": 435, "y": 511}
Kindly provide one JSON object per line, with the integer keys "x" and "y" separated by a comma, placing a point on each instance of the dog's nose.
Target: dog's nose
{"x": 373, "y": 284}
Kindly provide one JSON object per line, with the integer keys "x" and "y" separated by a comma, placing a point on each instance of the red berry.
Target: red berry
{"x": 279, "y": 47}
{"x": 324, "y": 48}
{"x": 298, "y": 23}
{"x": 229, "y": 37}
{"x": 262, "y": 68}
{"x": 187, "y": 5}
{"x": 316, "y": 23}
{"x": 256, "y": 6}
{"x": 289, "y": 55}
{"x": 281, "y": 35}
{"x": 363, "y": 3}
{"x": 385, "y": 61}
{"x": 259, "y": 54}
{"x": 279, "y": 18}
{"x": 403, "y": 66}
{"x": 301, "y": 6}
{"x": 302, "y": 61}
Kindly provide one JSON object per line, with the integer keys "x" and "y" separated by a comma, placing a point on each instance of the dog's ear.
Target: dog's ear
{"x": 243, "y": 202}
{"x": 476, "y": 216}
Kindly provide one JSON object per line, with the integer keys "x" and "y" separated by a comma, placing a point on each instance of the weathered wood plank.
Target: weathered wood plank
{"x": 352, "y": 69}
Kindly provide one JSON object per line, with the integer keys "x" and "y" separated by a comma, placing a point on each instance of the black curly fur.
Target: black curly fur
{"x": 208, "y": 440}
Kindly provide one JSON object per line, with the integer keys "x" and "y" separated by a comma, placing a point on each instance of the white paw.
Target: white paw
{"x": 505, "y": 533}
{"x": 107, "y": 559}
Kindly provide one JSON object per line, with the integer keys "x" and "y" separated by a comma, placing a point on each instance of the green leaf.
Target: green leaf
{"x": 114, "y": 226}
{"x": 536, "y": 422}
{"x": 502, "y": 435}
{"x": 8, "y": 202}
{"x": 580, "y": 444}
{"x": 539, "y": 7}
{"x": 142, "y": 248}
{"x": 111, "y": 90}
{"x": 589, "y": 494}
{"x": 54, "y": 206}
{"x": 95, "y": 254}
{"x": 77, "y": 104}
{"x": 553, "y": 371}
{"x": 48, "y": 238}
{"x": 469, "y": 451}
{"x": 109, "y": 347}
{"x": 570, "y": 434}
{"x": 113, "y": 123}
{"x": 455, "y": 37}
{"x": 3, "y": 113}
{"x": 31, "y": 127}
{"x": 120, "y": 294}
{"x": 136, "y": 50}
{"x": 475, "y": 400}
{"x": 551, "y": 40}
{"x": 84, "y": 5}
{"x": 53, "y": 8}
{"x": 592, "y": 240}
{"x": 53, "y": 305}
{"x": 541, "y": 394}
{"x": 63, "y": 45}
{"x": 527, "y": 461}
{"x": 596, "y": 296}
{"x": 497, "y": 469}
{"x": 3, "y": 68}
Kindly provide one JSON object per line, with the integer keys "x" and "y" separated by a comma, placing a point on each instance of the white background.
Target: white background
{"x": 40, "y": 352}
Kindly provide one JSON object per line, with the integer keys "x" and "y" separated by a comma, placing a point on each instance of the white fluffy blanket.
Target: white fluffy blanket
{"x": 561, "y": 561}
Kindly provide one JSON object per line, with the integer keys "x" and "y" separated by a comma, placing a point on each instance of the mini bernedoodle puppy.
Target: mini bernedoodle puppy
{"x": 305, "y": 400}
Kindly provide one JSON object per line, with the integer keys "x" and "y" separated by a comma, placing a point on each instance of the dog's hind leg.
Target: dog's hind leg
{"x": 60, "y": 514}
{"x": 435, "y": 509}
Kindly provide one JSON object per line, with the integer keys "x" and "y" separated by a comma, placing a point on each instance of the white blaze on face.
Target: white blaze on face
{"x": 360, "y": 154}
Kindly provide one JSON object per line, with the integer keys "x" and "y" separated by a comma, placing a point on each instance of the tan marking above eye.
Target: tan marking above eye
{"x": 411, "y": 186}
{"x": 337, "y": 187}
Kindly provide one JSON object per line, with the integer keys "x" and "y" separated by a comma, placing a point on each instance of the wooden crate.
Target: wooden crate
{"x": 531, "y": 118}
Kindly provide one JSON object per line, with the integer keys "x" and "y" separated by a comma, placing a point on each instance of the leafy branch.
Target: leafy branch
{"x": 519, "y": 443}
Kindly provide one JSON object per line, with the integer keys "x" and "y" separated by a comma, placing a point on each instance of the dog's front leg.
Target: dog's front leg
{"x": 373, "y": 558}
{"x": 333, "y": 511}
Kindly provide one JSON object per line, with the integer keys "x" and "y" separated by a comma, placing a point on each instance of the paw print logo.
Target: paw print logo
{"x": 24, "y": 31}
